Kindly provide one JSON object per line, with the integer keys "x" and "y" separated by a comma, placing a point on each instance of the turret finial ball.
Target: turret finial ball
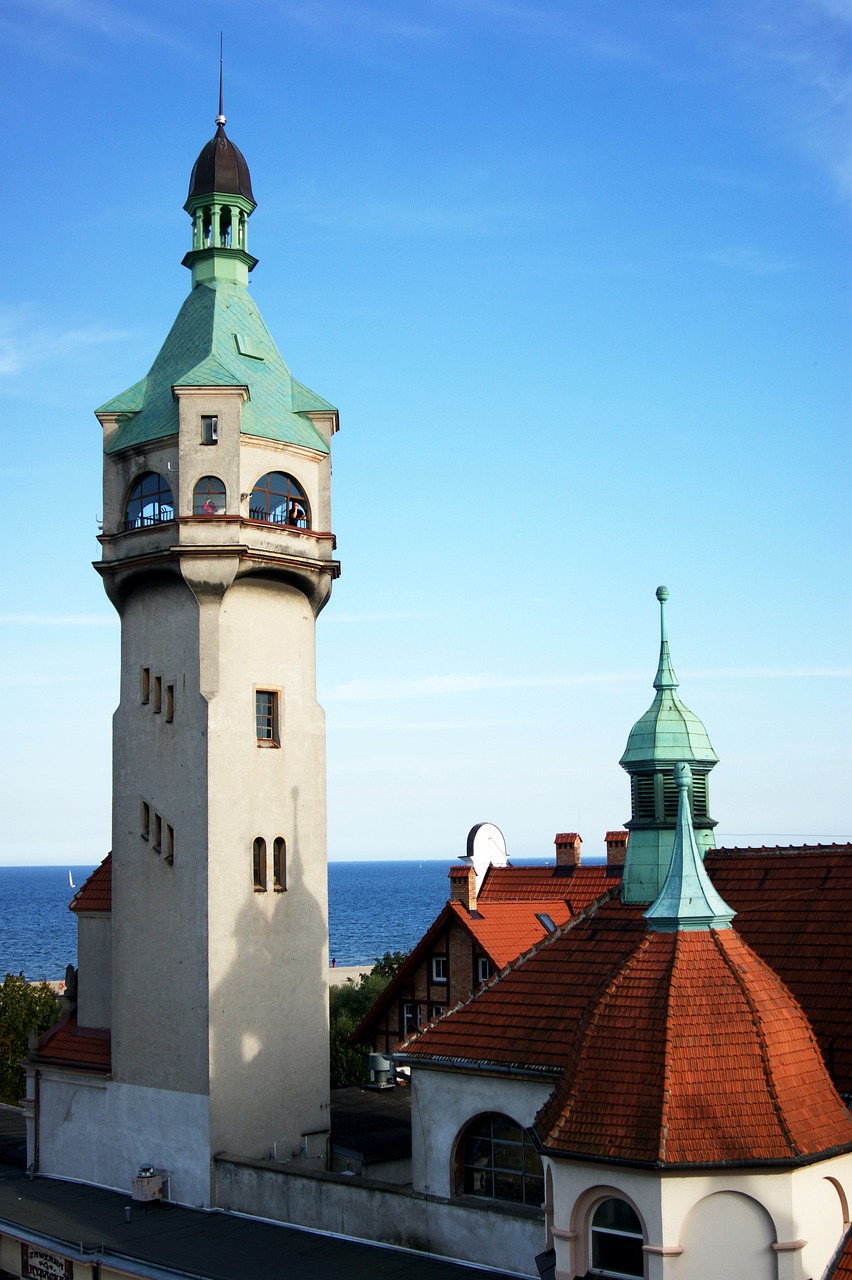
{"x": 662, "y": 593}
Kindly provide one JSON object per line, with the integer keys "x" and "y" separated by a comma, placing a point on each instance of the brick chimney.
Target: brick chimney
{"x": 568, "y": 849}
{"x": 616, "y": 848}
{"x": 463, "y": 886}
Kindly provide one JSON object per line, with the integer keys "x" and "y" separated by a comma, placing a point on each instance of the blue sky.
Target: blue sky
{"x": 577, "y": 276}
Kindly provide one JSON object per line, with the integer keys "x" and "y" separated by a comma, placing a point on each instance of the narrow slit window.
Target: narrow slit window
{"x": 169, "y": 844}
{"x": 279, "y": 864}
{"x": 146, "y": 685}
{"x": 158, "y": 833}
{"x": 266, "y": 717}
{"x": 209, "y": 429}
{"x": 158, "y": 695}
{"x": 258, "y": 864}
{"x": 144, "y": 820}
{"x": 170, "y": 703}
{"x": 483, "y": 969}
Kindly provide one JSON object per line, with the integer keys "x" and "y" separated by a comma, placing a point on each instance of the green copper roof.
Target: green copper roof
{"x": 687, "y": 899}
{"x": 668, "y": 732}
{"x": 219, "y": 339}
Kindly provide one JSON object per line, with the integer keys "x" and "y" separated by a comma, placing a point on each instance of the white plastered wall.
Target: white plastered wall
{"x": 443, "y": 1102}
{"x": 103, "y": 1132}
{"x": 763, "y": 1224}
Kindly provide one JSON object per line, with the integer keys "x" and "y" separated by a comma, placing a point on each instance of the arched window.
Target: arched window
{"x": 258, "y": 863}
{"x": 616, "y": 1241}
{"x": 278, "y": 499}
{"x": 150, "y": 502}
{"x": 497, "y": 1159}
{"x": 208, "y": 497}
{"x": 279, "y": 864}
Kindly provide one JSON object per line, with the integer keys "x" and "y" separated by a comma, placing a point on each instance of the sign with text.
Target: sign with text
{"x": 37, "y": 1264}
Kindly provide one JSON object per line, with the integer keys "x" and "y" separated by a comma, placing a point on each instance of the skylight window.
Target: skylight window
{"x": 544, "y": 918}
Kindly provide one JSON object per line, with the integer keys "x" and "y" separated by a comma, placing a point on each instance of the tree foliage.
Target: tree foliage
{"x": 24, "y": 1007}
{"x": 348, "y": 1004}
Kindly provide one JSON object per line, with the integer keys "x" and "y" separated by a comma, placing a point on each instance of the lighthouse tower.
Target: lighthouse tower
{"x": 218, "y": 557}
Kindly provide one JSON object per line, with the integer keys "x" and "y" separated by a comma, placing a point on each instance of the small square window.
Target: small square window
{"x": 144, "y": 820}
{"x": 170, "y": 703}
{"x": 266, "y": 717}
{"x": 438, "y": 1010}
{"x": 439, "y": 968}
{"x": 146, "y": 685}
{"x": 158, "y": 695}
{"x": 209, "y": 429}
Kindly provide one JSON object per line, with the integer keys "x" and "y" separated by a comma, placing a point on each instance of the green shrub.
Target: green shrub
{"x": 23, "y": 1008}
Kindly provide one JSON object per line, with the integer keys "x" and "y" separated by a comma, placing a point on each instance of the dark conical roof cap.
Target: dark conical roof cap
{"x": 221, "y": 167}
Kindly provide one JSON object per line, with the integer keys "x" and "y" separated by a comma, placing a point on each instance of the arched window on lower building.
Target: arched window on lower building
{"x": 616, "y": 1240}
{"x": 496, "y": 1159}
{"x": 258, "y": 863}
{"x": 279, "y": 864}
{"x": 208, "y": 497}
{"x": 149, "y": 502}
{"x": 279, "y": 499}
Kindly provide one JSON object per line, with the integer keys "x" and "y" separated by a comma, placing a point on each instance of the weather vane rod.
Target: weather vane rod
{"x": 220, "y": 119}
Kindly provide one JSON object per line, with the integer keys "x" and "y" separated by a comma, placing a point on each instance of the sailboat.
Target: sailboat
{"x": 71, "y": 880}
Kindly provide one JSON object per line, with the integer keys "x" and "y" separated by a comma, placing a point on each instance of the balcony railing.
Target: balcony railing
{"x": 162, "y": 516}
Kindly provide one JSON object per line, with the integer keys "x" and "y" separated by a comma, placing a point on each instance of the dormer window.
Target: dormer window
{"x": 209, "y": 429}
{"x": 279, "y": 499}
{"x": 150, "y": 502}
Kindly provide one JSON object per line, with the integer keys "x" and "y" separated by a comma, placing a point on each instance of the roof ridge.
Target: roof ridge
{"x": 757, "y": 1021}
{"x": 587, "y": 1025}
{"x": 519, "y": 960}
{"x": 668, "y": 1053}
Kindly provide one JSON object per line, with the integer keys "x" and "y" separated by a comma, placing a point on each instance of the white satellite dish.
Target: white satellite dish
{"x": 486, "y": 847}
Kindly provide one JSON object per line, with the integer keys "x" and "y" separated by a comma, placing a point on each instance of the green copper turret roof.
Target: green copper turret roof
{"x": 668, "y": 732}
{"x": 219, "y": 339}
{"x": 687, "y": 899}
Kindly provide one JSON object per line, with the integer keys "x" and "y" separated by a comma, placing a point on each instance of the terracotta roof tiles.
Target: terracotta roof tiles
{"x": 68, "y": 1045}
{"x": 95, "y": 894}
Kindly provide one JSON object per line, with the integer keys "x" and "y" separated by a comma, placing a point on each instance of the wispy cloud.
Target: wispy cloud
{"x": 26, "y": 338}
{"x": 41, "y": 28}
{"x": 58, "y": 620}
{"x": 380, "y": 617}
{"x": 753, "y": 261}
{"x": 441, "y": 686}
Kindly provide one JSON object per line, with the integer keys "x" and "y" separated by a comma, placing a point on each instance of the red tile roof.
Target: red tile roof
{"x": 504, "y": 929}
{"x": 96, "y": 893}
{"x": 696, "y": 1053}
{"x": 794, "y": 908}
{"x": 841, "y": 1269}
{"x": 672, "y": 1048}
{"x": 68, "y": 1045}
{"x": 577, "y": 885}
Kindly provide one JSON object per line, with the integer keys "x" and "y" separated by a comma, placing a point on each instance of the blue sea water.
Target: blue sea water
{"x": 373, "y": 907}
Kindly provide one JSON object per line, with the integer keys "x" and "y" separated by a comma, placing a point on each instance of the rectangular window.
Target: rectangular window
{"x": 209, "y": 429}
{"x": 279, "y": 864}
{"x": 439, "y": 968}
{"x": 144, "y": 820}
{"x": 408, "y": 1017}
{"x": 170, "y": 703}
{"x": 438, "y": 1010}
{"x": 158, "y": 833}
{"x": 146, "y": 684}
{"x": 266, "y": 717}
{"x": 169, "y": 845}
{"x": 483, "y": 969}
{"x": 158, "y": 695}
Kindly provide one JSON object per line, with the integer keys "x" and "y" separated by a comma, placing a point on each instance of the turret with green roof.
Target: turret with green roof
{"x": 666, "y": 735}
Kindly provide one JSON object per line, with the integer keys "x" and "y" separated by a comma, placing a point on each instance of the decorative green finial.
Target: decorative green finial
{"x": 665, "y": 677}
{"x": 687, "y": 899}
